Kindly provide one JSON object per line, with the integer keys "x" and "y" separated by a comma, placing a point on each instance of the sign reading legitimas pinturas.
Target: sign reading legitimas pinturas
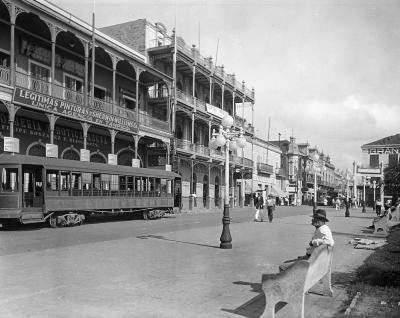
{"x": 64, "y": 108}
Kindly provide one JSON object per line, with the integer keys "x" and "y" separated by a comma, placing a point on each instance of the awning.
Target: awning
{"x": 277, "y": 192}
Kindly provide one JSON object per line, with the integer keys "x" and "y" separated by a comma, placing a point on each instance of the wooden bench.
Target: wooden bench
{"x": 291, "y": 285}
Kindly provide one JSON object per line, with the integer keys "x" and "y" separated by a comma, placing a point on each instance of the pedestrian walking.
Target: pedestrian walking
{"x": 259, "y": 204}
{"x": 338, "y": 203}
{"x": 270, "y": 208}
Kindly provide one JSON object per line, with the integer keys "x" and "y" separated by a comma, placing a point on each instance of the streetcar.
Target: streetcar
{"x": 66, "y": 192}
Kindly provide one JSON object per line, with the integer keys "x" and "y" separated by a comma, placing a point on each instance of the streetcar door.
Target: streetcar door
{"x": 32, "y": 187}
{"x": 178, "y": 193}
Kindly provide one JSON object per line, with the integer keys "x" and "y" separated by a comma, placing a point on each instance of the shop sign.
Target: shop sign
{"x": 11, "y": 144}
{"x": 212, "y": 191}
{"x": 291, "y": 189}
{"x": 136, "y": 163}
{"x": 199, "y": 190}
{"x": 51, "y": 150}
{"x": 85, "y": 155}
{"x": 112, "y": 159}
{"x": 61, "y": 107}
{"x": 385, "y": 150}
{"x": 185, "y": 188}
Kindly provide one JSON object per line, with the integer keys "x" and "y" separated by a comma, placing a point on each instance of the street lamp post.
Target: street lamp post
{"x": 347, "y": 213}
{"x": 374, "y": 187}
{"x": 230, "y": 139}
{"x": 364, "y": 182}
{"x": 316, "y": 168}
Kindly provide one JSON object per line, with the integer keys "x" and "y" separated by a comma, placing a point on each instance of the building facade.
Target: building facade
{"x": 69, "y": 91}
{"x": 203, "y": 93}
{"x": 266, "y": 171}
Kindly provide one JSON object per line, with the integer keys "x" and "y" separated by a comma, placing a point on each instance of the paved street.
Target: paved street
{"x": 167, "y": 268}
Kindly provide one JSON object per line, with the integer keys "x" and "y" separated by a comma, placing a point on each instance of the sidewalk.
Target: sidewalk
{"x": 176, "y": 274}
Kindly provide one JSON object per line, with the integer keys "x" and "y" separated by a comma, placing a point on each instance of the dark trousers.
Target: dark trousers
{"x": 270, "y": 213}
{"x": 378, "y": 210}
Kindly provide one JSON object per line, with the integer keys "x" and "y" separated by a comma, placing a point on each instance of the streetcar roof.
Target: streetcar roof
{"x": 83, "y": 166}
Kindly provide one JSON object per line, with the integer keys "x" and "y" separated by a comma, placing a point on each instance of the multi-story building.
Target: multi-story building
{"x": 376, "y": 156}
{"x": 298, "y": 163}
{"x": 203, "y": 93}
{"x": 69, "y": 91}
{"x": 267, "y": 172}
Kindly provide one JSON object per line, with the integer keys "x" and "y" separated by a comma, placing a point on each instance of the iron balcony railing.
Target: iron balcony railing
{"x": 5, "y": 75}
{"x": 265, "y": 168}
{"x": 281, "y": 172}
{"x": 55, "y": 90}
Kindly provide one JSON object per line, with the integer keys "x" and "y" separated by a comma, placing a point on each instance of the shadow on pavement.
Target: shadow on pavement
{"x": 159, "y": 237}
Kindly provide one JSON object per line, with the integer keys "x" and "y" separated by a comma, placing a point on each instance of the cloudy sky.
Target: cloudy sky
{"x": 327, "y": 71}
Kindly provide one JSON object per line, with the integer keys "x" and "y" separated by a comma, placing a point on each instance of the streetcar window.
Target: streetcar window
{"x": 105, "y": 181}
{"x": 157, "y": 186}
{"x": 76, "y": 183}
{"x": 9, "y": 180}
{"x": 122, "y": 183}
{"x": 52, "y": 180}
{"x": 164, "y": 187}
{"x": 114, "y": 182}
{"x": 86, "y": 180}
{"x": 96, "y": 184}
{"x": 169, "y": 186}
{"x": 65, "y": 180}
{"x": 130, "y": 183}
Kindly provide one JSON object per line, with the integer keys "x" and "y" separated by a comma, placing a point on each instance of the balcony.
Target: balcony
{"x": 78, "y": 99}
{"x": 265, "y": 168}
{"x": 4, "y": 75}
{"x": 281, "y": 173}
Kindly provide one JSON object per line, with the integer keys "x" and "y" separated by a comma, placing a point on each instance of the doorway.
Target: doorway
{"x": 32, "y": 185}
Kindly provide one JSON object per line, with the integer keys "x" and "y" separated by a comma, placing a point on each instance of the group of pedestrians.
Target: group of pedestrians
{"x": 259, "y": 205}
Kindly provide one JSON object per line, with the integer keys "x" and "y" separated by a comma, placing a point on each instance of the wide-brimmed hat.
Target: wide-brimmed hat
{"x": 320, "y": 214}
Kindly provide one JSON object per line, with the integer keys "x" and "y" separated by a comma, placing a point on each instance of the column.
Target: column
{"x": 12, "y": 109}
{"x": 53, "y": 54}
{"x": 191, "y": 202}
{"x": 252, "y": 157}
{"x": 233, "y": 104}
{"x": 113, "y": 133}
{"x": 86, "y": 79}
{"x": 208, "y": 197}
{"x": 138, "y": 71}
{"x": 52, "y": 121}
{"x": 85, "y": 128}
{"x": 194, "y": 82}
{"x": 211, "y": 91}
{"x": 136, "y": 138}
{"x": 222, "y": 98}
{"x": 168, "y": 152}
{"x": 114, "y": 72}
{"x": 12, "y": 46}
{"x": 192, "y": 139}
{"x": 232, "y": 186}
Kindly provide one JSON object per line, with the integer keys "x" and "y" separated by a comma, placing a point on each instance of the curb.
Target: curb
{"x": 352, "y": 304}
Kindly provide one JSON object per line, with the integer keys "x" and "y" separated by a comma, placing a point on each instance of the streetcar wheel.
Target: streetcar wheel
{"x": 53, "y": 222}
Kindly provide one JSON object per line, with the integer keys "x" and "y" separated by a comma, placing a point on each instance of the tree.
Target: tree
{"x": 392, "y": 181}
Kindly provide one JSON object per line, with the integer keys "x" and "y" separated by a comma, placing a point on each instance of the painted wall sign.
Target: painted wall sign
{"x": 51, "y": 150}
{"x": 85, "y": 155}
{"x": 136, "y": 163}
{"x": 61, "y": 107}
{"x": 112, "y": 159}
{"x": 11, "y": 144}
{"x": 185, "y": 188}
